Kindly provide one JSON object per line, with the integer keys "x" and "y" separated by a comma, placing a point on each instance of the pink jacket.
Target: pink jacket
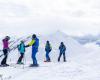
{"x": 5, "y": 44}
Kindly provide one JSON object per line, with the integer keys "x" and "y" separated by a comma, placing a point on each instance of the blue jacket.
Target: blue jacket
{"x": 35, "y": 44}
{"x": 62, "y": 48}
{"x": 48, "y": 47}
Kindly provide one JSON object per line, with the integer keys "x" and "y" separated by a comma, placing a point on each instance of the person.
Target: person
{"x": 62, "y": 49}
{"x": 35, "y": 44}
{"x": 5, "y": 50}
{"x": 48, "y": 50}
{"x": 21, "y": 49}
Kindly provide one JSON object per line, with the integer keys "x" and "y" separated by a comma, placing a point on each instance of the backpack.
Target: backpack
{"x": 19, "y": 47}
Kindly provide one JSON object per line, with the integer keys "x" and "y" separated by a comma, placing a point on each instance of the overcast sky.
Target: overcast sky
{"x": 74, "y": 17}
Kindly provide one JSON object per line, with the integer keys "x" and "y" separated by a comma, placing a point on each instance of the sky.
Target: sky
{"x": 73, "y": 17}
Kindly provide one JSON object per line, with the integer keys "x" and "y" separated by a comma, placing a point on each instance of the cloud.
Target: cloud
{"x": 8, "y": 9}
{"x": 70, "y": 16}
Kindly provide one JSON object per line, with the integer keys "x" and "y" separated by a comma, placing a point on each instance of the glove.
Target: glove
{"x": 27, "y": 46}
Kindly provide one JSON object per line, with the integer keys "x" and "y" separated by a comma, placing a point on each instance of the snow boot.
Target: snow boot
{"x": 47, "y": 61}
{"x": 20, "y": 63}
{"x": 4, "y": 65}
{"x": 34, "y": 65}
{"x": 65, "y": 61}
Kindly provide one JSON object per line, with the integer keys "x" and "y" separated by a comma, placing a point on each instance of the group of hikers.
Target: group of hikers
{"x": 35, "y": 45}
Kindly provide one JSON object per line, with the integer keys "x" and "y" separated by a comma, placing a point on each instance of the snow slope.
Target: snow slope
{"x": 74, "y": 49}
{"x": 82, "y": 62}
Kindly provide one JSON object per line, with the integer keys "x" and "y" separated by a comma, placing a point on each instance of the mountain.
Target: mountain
{"x": 87, "y": 39}
{"x": 74, "y": 48}
{"x": 82, "y": 62}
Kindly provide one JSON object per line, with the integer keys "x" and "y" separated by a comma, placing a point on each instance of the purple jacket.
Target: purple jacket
{"x": 5, "y": 44}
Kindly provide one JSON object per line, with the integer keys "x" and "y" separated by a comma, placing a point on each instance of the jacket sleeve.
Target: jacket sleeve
{"x": 50, "y": 47}
{"x": 31, "y": 43}
{"x": 46, "y": 47}
{"x": 64, "y": 48}
{"x": 59, "y": 47}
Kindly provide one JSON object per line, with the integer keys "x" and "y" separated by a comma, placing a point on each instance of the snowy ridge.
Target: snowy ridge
{"x": 74, "y": 49}
{"x": 82, "y": 62}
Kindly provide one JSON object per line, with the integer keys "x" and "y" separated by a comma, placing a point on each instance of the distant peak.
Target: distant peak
{"x": 60, "y": 33}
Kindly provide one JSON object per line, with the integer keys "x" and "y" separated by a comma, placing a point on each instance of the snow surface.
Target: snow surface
{"x": 82, "y": 62}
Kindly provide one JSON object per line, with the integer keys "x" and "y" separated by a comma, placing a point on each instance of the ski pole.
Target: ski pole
{"x": 1, "y": 55}
{"x": 24, "y": 61}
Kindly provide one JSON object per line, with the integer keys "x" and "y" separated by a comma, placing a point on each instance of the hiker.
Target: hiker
{"x": 5, "y": 50}
{"x": 35, "y": 44}
{"x": 21, "y": 49}
{"x": 62, "y": 49}
{"x": 48, "y": 50}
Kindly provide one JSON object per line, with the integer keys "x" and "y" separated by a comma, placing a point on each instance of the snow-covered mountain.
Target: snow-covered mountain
{"x": 82, "y": 61}
{"x": 87, "y": 39}
{"x": 73, "y": 47}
